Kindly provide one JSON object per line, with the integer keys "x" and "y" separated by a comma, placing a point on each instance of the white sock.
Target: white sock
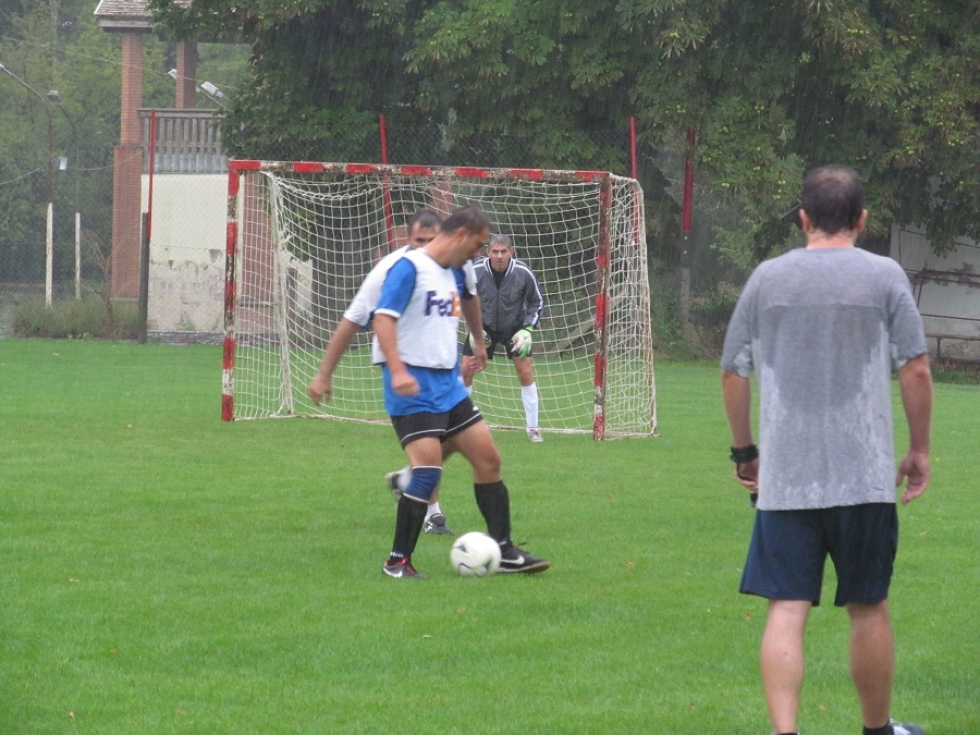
{"x": 529, "y": 395}
{"x": 432, "y": 510}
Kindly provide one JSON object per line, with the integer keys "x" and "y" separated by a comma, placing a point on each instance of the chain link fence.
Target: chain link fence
{"x": 81, "y": 206}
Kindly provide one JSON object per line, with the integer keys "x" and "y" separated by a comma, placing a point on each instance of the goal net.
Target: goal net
{"x": 302, "y": 237}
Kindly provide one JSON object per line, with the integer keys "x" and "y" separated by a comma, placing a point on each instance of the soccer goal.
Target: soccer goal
{"x": 302, "y": 236}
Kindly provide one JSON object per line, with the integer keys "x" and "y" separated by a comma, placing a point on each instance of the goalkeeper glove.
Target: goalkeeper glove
{"x": 486, "y": 340}
{"x": 520, "y": 344}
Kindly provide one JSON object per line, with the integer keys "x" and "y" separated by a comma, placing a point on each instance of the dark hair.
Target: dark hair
{"x": 833, "y": 198}
{"x": 425, "y": 219}
{"x": 470, "y": 218}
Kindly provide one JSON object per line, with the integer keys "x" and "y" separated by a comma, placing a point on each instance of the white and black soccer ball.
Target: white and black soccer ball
{"x": 475, "y": 554}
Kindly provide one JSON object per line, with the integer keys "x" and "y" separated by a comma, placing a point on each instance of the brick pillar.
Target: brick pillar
{"x": 127, "y": 169}
{"x": 127, "y": 195}
{"x": 186, "y": 75}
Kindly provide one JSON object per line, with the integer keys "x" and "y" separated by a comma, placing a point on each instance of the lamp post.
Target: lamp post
{"x": 55, "y": 99}
{"x": 49, "y": 241}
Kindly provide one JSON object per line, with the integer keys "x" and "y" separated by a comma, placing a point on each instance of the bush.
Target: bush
{"x": 88, "y": 318}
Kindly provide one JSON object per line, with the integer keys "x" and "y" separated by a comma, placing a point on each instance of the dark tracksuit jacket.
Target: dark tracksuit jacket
{"x": 510, "y": 300}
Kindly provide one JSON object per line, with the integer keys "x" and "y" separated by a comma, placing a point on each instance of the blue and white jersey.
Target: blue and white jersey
{"x": 366, "y": 300}
{"x": 361, "y": 310}
{"x": 424, "y": 297}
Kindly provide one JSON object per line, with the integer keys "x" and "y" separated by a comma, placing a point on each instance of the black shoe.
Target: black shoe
{"x": 401, "y": 569}
{"x": 516, "y": 559}
{"x": 436, "y": 525}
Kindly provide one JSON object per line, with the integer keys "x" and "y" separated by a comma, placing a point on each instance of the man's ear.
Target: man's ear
{"x": 862, "y": 220}
{"x": 805, "y": 224}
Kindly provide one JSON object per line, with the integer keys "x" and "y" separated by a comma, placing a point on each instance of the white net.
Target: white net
{"x": 305, "y": 236}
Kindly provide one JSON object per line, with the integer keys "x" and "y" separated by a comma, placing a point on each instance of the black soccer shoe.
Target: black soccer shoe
{"x": 517, "y": 561}
{"x": 436, "y": 525}
{"x": 402, "y": 569}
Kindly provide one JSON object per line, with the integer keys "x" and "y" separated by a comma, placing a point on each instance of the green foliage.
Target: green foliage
{"x": 769, "y": 89}
{"x": 58, "y": 46}
{"x": 85, "y": 319}
{"x": 670, "y": 336}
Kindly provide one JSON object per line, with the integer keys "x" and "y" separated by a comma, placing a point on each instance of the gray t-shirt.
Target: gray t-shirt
{"x": 822, "y": 329}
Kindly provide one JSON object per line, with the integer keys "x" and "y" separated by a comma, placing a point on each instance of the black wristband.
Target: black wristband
{"x": 744, "y": 455}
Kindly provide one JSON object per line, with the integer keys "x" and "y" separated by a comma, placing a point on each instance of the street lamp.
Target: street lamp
{"x": 55, "y": 99}
{"x": 49, "y": 241}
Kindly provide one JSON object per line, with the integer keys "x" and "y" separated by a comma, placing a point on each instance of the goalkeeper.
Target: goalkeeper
{"x": 512, "y": 304}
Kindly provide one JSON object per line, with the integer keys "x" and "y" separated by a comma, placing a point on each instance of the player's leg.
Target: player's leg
{"x": 435, "y": 522}
{"x": 420, "y": 436}
{"x": 529, "y": 397}
{"x": 872, "y": 661}
{"x": 864, "y": 542}
{"x": 472, "y": 439}
{"x": 785, "y": 564}
{"x": 435, "y": 519}
{"x": 781, "y": 661}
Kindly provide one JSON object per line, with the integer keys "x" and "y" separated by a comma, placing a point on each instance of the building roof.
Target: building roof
{"x": 127, "y": 15}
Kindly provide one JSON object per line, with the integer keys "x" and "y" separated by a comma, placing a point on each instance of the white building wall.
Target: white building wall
{"x": 187, "y": 252}
{"x": 187, "y": 255}
{"x": 947, "y": 290}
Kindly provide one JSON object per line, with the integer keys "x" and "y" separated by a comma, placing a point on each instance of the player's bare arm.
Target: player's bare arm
{"x": 737, "y": 396}
{"x": 321, "y": 386}
{"x": 473, "y": 314}
{"x": 915, "y": 382}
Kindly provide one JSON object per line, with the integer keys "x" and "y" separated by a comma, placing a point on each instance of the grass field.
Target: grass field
{"x": 164, "y": 572}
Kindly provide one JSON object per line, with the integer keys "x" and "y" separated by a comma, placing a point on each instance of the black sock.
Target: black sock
{"x": 885, "y": 729}
{"x": 408, "y": 526}
{"x": 494, "y": 503}
{"x": 787, "y": 733}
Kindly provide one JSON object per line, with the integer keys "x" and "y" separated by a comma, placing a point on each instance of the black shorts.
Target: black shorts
{"x": 497, "y": 338}
{"x": 444, "y": 426}
{"x": 790, "y": 547}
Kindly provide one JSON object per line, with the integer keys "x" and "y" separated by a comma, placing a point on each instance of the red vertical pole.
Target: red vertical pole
{"x": 389, "y": 217}
{"x": 636, "y": 194}
{"x": 231, "y": 245}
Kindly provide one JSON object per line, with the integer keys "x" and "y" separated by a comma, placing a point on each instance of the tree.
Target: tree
{"x": 769, "y": 88}
{"x": 55, "y": 45}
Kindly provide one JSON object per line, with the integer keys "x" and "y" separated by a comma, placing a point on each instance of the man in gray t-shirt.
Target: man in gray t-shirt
{"x": 822, "y": 327}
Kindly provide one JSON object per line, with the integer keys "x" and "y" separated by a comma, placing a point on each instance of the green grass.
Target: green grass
{"x": 164, "y": 572}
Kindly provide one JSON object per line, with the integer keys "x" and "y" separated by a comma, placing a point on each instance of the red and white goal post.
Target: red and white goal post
{"x": 302, "y": 236}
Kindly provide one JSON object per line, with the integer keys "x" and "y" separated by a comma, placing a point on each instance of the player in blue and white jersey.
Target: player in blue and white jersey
{"x": 416, "y": 323}
{"x": 422, "y": 228}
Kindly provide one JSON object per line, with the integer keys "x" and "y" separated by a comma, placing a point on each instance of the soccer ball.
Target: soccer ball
{"x": 475, "y": 554}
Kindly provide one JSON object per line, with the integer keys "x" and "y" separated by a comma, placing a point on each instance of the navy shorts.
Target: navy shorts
{"x": 790, "y": 547}
{"x": 443, "y": 426}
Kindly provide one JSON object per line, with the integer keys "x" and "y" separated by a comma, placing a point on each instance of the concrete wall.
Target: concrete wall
{"x": 947, "y": 290}
{"x": 187, "y": 252}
